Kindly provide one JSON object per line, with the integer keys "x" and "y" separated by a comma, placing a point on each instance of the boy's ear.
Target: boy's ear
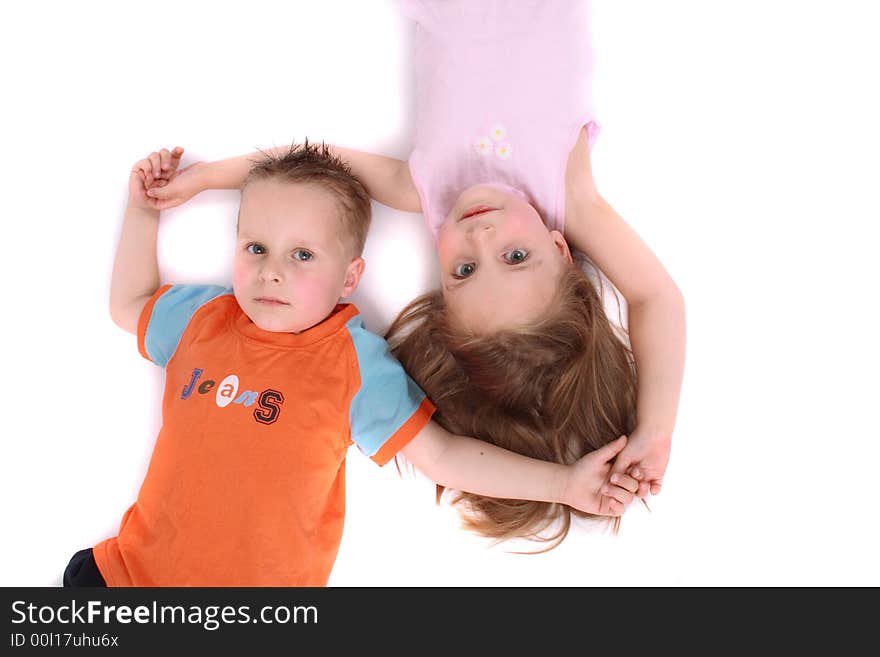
{"x": 353, "y": 276}
{"x": 561, "y": 244}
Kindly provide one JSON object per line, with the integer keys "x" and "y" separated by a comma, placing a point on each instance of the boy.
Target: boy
{"x": 269, "y": 383}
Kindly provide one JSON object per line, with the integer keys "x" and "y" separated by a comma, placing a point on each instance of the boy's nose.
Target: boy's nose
{"x": 270, "y": 274}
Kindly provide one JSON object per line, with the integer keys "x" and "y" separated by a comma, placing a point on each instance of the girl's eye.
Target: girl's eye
{"x": 256, "y": 249}
{"x": 464, "y": 270}
{"x": 516, "y": 256}
{"x": 302, "y": 255}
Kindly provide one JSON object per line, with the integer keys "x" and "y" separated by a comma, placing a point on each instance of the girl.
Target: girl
{"x": 516, "y": 342}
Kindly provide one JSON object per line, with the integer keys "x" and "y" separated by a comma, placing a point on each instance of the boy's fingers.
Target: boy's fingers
{"x": 156, "y": 164}
{"x": 612, "y": 449}
{"x": 624, "y": 481}
{"x": 142, "y": 168}
{"x": 656, "y": 486}
{"x": 165, "y": 159}
{"x": 617, "y": 493}
{"x": 613, "y": 507}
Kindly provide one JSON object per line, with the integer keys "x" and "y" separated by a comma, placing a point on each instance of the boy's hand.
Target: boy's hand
{"x": 588, "y": 488}
{"x": 154, "y": 171}
{"x": 645, "y": 458}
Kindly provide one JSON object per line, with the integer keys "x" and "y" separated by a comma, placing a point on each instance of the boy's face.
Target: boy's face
{"x": 291, "y": 261}
{"x": 499, "y": 263}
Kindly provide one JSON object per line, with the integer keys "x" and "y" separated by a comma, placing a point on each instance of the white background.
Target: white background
{"x": 740, "y": 140}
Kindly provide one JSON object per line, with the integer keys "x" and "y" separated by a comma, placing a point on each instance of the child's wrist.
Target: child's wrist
{"x": 134, "y": 208}
{"x": 562, "y": 494}
{"x": 219, "y": 174}
{"x": 653, "y": 432}
{"x": 204, "y": 177}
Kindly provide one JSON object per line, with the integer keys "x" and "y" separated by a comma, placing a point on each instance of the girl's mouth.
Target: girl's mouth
{"x": 476, "y": 210}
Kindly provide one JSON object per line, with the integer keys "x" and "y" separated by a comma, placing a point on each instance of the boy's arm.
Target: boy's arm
{"x": 655, "y": 310}
{"x": 386, "y": 179}
{"x": 478, "y": 467}
{"x": 135, "y": 268}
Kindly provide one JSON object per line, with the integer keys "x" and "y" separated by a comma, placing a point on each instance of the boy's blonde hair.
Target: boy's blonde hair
{"x": 317, "y": 165}
{"x": 554, "y": 390}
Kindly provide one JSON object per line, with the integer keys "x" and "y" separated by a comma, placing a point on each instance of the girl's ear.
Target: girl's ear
{"x": 561, "y": 245}
{"x": 353, "y": 276}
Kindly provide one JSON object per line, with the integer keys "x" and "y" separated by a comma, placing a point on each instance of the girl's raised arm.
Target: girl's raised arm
{"x": 386, "y": 179}
{"x": 656, "y": 316}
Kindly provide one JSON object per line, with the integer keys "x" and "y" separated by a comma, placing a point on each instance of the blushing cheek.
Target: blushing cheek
{"x": 313, "y": 295}
{"x": 444, "y": 246}
{"x": 240, "y": 275}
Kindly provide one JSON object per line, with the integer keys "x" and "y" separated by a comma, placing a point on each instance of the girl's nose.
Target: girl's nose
{"x": 481, "y": 229}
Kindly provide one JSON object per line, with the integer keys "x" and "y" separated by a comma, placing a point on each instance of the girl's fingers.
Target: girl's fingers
{"x": 165, "y": 159}
{"x": 625, "y": 481}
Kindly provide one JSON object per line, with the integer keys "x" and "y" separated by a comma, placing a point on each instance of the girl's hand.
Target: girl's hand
{"x": 153, "y": 171}
{"x": 178, "y": 187}
{"x": 645, "y": 458}
{"x": 588, "y": 489}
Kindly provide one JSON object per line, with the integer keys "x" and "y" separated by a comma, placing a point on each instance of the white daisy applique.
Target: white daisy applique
{"x": 504, "y": 150}
{"x": 498, "y": 132}
{"x": 483, "y": 146}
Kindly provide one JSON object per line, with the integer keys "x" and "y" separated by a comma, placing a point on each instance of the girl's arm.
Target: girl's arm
{"x": 386, "y": 179}
{"x": 655, "y": 310}
{"x": 478, "y": 467}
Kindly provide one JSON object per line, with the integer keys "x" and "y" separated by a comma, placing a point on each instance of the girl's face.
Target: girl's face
{"x": 499, "y": 263}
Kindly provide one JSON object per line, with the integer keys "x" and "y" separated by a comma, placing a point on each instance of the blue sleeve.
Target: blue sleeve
{"x": 389, "y": 409}
{"x": 166, "y": 315}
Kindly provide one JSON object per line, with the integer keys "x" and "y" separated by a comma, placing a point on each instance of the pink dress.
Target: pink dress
{"x": 503, "y": 88}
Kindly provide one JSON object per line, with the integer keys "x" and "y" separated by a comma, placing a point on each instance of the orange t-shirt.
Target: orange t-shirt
{"x": 246, "y": 484}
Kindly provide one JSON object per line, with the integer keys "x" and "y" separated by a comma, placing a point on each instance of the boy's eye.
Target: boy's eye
{"x": 464, "y": 270}
{"x": 302, "y": 255}
{"x": 254, "y": 248}
{"x": 516, "y": 256}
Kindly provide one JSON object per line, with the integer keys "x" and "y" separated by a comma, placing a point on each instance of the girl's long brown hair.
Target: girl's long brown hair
{"x": 553, "y": 390}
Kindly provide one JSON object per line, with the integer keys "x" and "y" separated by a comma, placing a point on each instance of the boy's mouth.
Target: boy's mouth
{"x": 476, "y": 210}
{"x": 271, "y": 301}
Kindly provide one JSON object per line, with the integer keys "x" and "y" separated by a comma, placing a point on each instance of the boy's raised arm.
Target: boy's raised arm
{"x": 135, "y": 269}
{"x": 478, "y": 467}
{"x": 386, "y": 179}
